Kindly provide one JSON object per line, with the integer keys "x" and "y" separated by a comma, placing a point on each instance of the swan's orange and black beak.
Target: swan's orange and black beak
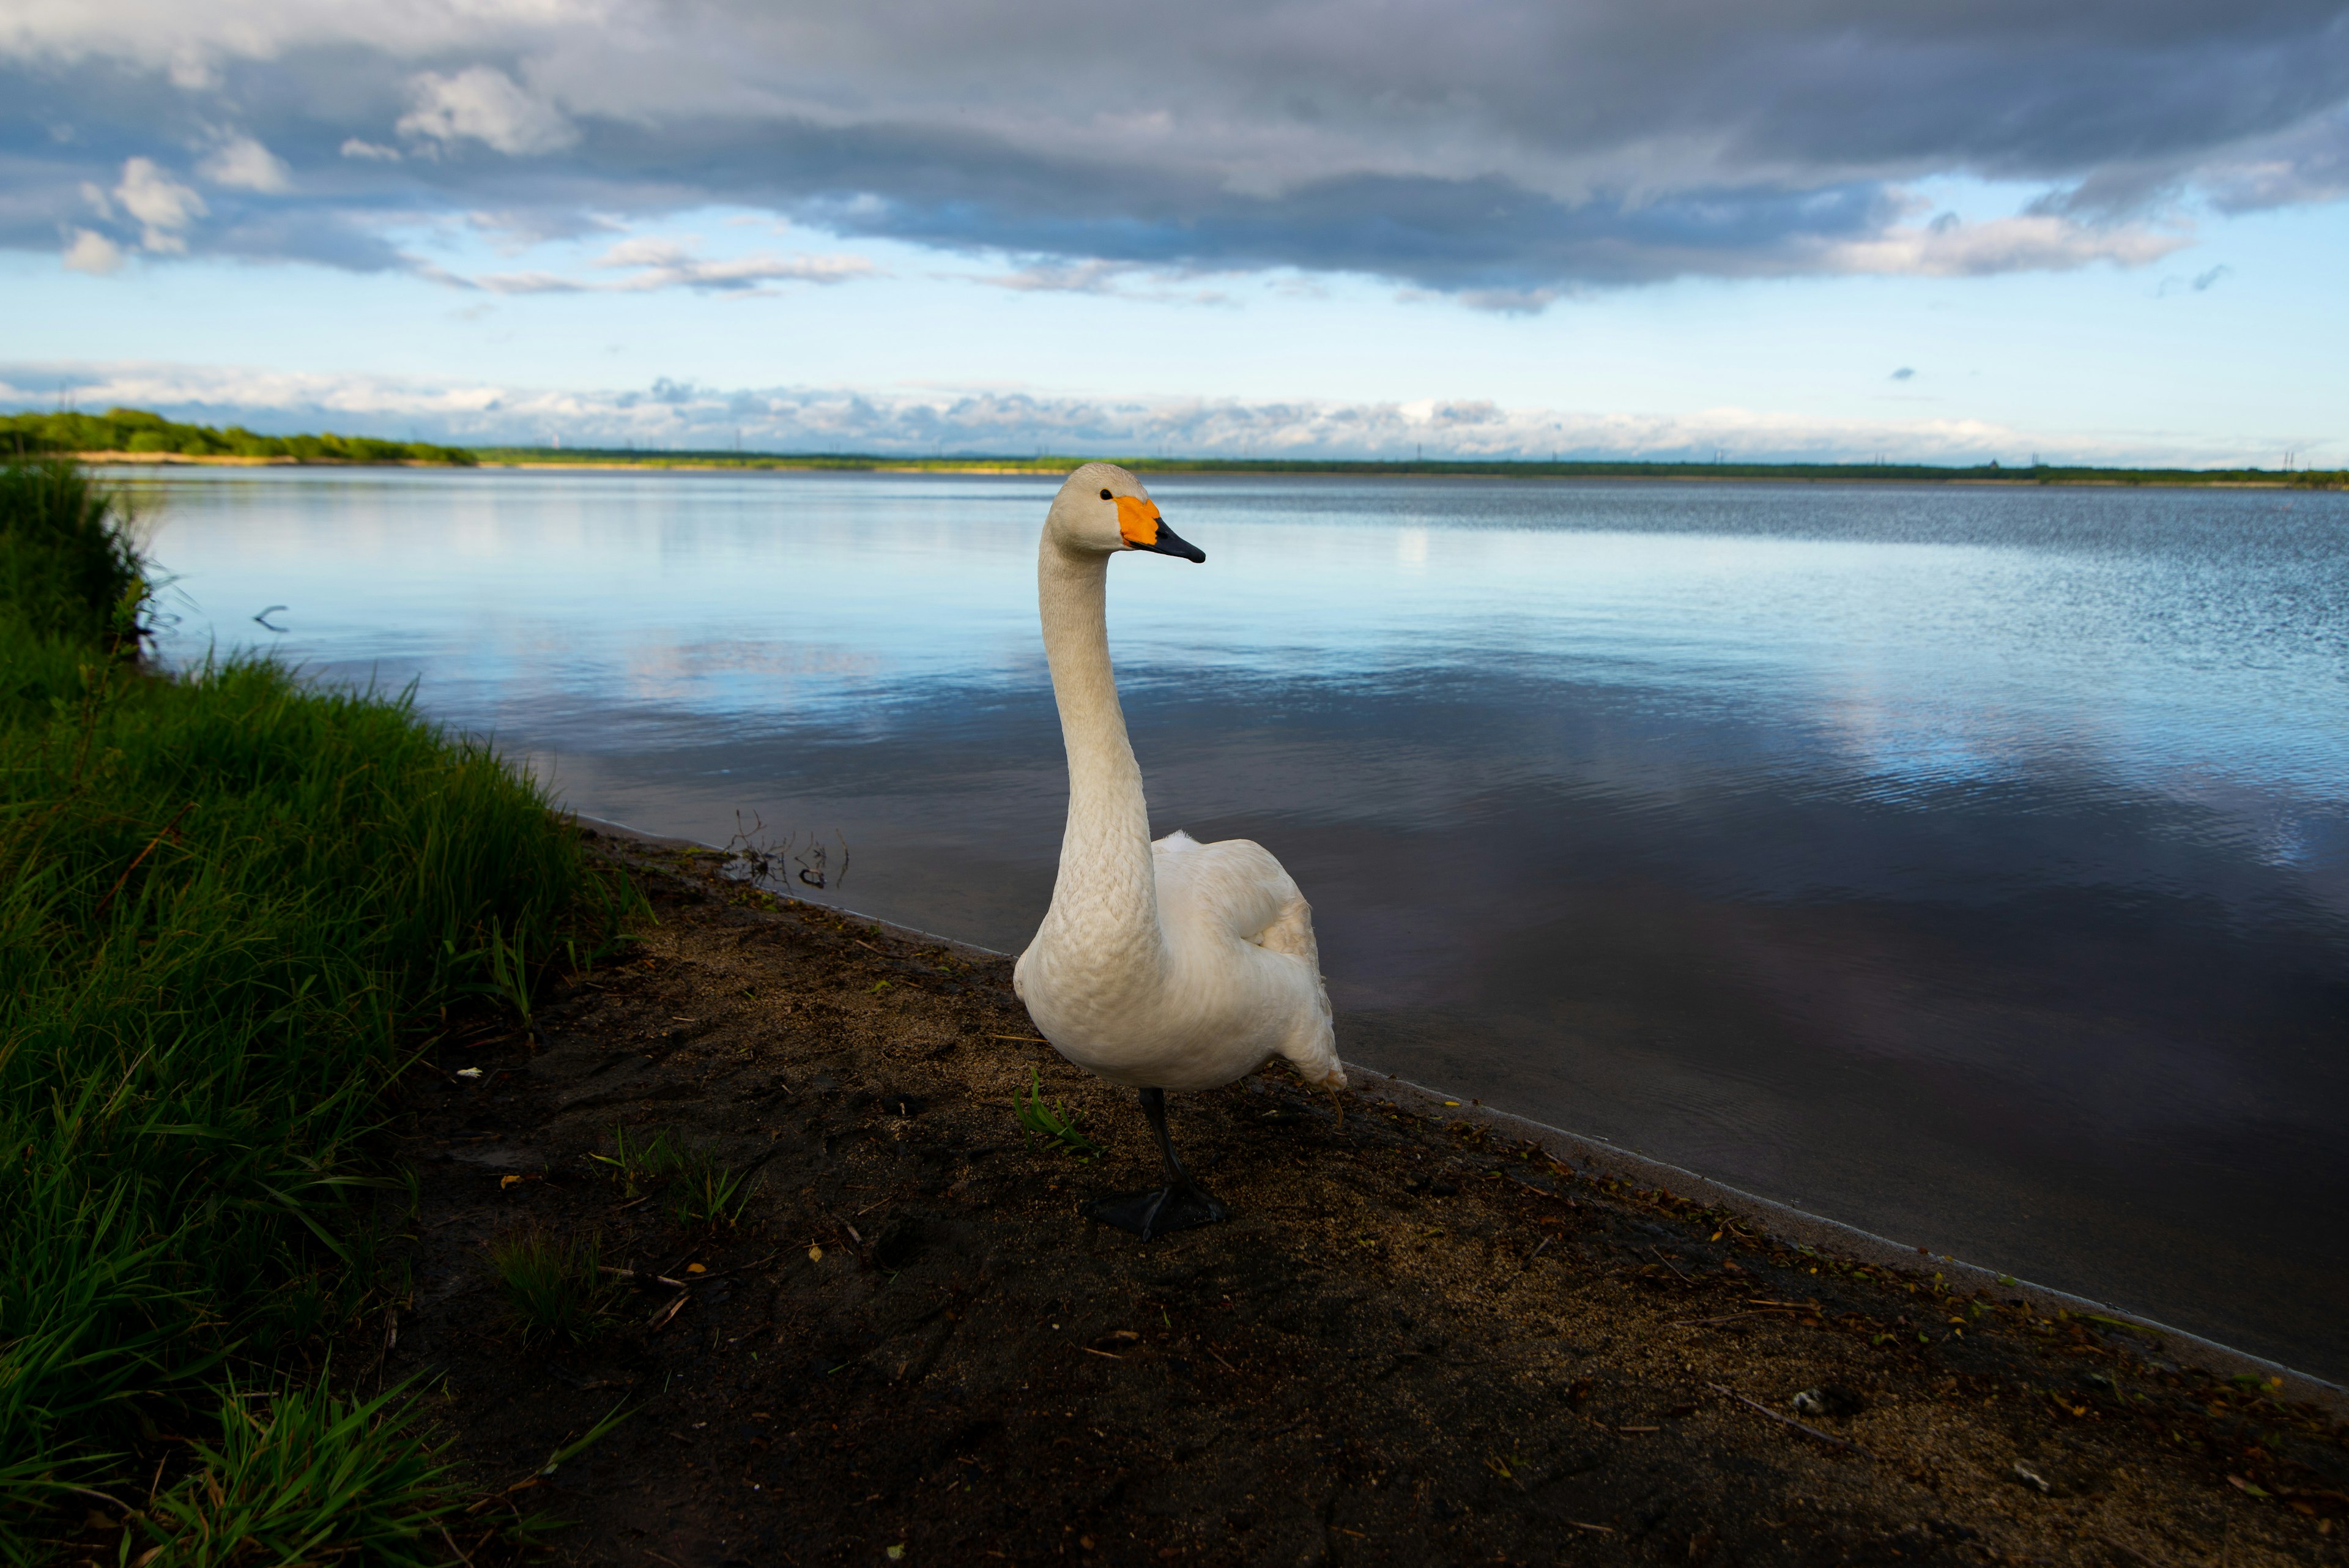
{"x": 1144, "y": 529}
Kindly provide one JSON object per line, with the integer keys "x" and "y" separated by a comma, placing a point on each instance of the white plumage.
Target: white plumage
{"x": 1173, "y": 965}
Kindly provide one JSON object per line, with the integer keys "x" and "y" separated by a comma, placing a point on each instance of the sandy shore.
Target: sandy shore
{"x": 1418, "y": 1340}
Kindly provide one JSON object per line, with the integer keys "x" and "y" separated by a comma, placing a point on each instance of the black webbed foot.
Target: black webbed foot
{"x": 1177, "y": 1206}
{"x": 1151, "y": 1214}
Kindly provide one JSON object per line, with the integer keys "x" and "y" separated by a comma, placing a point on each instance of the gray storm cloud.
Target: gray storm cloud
{"x": 1502, "y": 150}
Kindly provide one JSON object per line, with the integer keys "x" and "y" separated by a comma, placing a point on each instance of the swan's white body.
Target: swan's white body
{"x": 1173, "y": 965}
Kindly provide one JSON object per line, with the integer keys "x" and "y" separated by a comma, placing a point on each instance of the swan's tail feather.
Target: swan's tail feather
{"x": 1316, "y": 1052}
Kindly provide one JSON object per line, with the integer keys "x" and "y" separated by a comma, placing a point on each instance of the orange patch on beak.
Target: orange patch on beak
{"x": 1137, "y": 521}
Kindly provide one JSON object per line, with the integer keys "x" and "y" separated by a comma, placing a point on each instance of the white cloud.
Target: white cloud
{"x": 159, "y": 202}
{"x": 1512, "y": 301}
{"x": 193, "y": 69}
{"x": 738, "y": 274}
{"x": 657, "y": 264}
{"x": 92, "y": 252}
{"x": 2032, "y": 242}
{"x": 244, "y": 164}
{"x": 519, "y": 283}
{"x": 484, "y": 104}
{"x": 1063, "y": 277}
{"x": 370, "y": 150}
{"x": 992, "y": 420}
{"x": 1122, "y": 280}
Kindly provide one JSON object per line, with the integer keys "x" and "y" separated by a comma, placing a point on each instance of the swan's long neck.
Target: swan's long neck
{"x": 1106, "y": 893}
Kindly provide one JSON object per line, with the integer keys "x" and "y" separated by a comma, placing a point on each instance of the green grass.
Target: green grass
{"x": 231, "y": 909}
{"x": 306, "y": 1476}
{"x": 552, "y": 1284}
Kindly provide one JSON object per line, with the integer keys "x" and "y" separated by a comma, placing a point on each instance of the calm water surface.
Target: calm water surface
{"x": 1971, "y": 864}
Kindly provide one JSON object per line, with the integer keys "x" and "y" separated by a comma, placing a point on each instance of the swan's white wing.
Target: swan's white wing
{"x": 1236, "y": 888}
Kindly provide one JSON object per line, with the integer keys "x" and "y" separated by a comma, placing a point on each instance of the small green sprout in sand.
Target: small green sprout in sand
{"x": 707, "y": 1191}
{"x": 1055, "y": 1124}
{"x": 640, "y": 1164}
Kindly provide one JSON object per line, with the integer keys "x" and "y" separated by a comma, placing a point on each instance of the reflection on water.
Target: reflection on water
{"x": 1970, "y": 863}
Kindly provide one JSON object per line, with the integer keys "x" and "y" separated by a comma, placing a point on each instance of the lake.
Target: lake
{"x": 1970, "y": 863}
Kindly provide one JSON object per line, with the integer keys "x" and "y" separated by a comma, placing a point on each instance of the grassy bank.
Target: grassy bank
{"x": 230, "y": 909}
{"x": 1806, "y": 473}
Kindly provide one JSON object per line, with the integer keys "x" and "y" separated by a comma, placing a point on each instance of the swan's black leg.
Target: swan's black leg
{"x": 1177, "y": 1206}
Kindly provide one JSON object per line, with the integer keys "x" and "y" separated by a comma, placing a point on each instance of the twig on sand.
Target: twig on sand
{"x": 637, "y": 1274}
{"x": 1757, "y": 1407}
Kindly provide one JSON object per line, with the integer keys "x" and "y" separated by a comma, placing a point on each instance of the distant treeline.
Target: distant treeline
{"x": 136, "y": 431}
{"x": 1918, "y": 473}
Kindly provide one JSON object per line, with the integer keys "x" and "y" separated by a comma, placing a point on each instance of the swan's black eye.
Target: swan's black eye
{"x": 1105, "y": 496}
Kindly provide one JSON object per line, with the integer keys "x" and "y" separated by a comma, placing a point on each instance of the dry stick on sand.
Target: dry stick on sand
{"x": 1827, "y": 1437}
{"x": 637, "y": 1274}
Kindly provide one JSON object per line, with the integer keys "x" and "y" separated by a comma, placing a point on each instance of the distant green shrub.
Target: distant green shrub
{"x": 139, "y": 430}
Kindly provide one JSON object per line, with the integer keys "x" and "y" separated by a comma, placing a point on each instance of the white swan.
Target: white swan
{"x": 1173, "y": 965}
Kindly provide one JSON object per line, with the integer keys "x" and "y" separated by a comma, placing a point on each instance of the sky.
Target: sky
{"x": 1940, "y": 231}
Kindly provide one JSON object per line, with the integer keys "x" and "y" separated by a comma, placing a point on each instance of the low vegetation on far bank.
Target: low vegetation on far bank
{"x": 232, "y": 910}
{"x": 134, "y": 433}
{"x": 1059, "y": 464}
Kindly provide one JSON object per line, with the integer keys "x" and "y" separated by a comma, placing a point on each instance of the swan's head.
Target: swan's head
{"x": 1104, "y": 508}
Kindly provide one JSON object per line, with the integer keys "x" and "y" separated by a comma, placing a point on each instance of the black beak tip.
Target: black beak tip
{"x": 1170, "y": 543}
